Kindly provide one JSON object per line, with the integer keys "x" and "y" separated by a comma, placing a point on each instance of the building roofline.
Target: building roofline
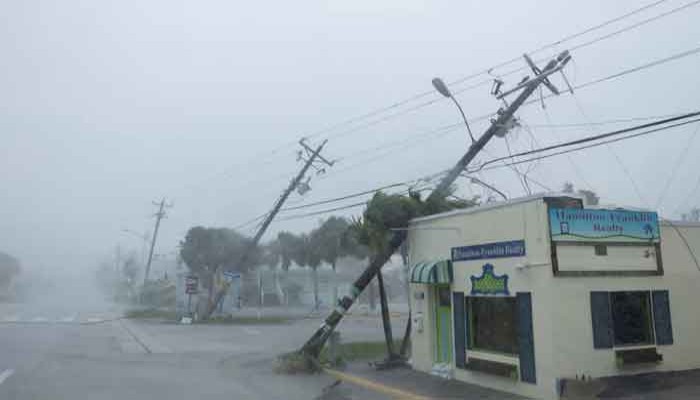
{"x": 527, "y": 199}
{"x": 493, "y": 206}
{"x": 684, "y": 224}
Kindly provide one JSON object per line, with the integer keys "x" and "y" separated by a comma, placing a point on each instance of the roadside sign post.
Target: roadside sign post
{"x": 230, "y": 278}
{"x": 191, "y": 286}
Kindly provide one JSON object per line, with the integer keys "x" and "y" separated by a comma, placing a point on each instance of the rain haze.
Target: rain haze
{"x": 107, "y": 107}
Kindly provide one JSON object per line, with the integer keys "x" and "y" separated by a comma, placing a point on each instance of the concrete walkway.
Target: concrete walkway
{"x": 376, "y": 385}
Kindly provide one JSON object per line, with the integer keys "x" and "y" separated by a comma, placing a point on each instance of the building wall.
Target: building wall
{"x": 520, "y": 221}
{"x": 573, "y": 339}
{"x": 563, "y": 333}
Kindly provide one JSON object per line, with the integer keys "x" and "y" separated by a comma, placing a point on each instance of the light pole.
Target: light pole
{"x": 440, "y": 86}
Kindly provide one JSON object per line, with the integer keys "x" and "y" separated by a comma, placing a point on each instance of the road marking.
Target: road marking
{"x": 68, "y": 319}
{"x": 6, "y": 374}
{"x": 39, "y": 319}
{"x": 93, "y": 319}
{"x": 11, "y": 318}
{"x": 251, "y": 331}
{"x": 378, "y": 387}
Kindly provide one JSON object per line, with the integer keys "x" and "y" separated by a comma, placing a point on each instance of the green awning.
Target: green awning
{"x": 432, "y": 272}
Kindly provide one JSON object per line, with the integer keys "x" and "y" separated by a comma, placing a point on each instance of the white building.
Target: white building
{"x": 522, "y": 295}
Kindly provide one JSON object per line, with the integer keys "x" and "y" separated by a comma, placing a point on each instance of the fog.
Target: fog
{"x": 108, "y": 106}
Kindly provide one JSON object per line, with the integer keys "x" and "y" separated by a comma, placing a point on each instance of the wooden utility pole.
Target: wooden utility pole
{"x": 309, "y": 155}
{"x": 499, "y": 127}
{"x": 160, "y": 214}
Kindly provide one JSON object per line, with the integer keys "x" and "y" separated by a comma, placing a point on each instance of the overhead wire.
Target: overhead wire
{"x": 450, "y": 128}
{"x": 676, "y": 165}
{"x": 619, "y": 161}
{"x": 488, "y": 70}
{"x": 688, "y": 197}
{"x": 522, "y": 68}
{"x": 487, "y": 164}
{"x": 656, "y": 128}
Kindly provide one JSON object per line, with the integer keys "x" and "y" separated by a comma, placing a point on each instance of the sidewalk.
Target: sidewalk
{"x": 418, "y": 385}
{"x": 360, "y": 379}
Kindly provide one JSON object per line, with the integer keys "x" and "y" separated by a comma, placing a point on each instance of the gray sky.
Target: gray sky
{"x": 106, "y": 106}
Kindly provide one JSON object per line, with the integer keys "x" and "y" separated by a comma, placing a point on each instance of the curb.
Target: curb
{"x": 375, "y": 386}
{"x": 147, "y": 342}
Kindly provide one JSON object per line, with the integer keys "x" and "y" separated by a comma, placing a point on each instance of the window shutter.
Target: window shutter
{"x": 602, "y": 320}
{"x": 662, "y": 317}
{"x": 526, "y": 343}
{"x": 460, "y": 318}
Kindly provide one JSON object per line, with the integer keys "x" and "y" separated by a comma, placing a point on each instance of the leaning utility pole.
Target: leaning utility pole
{"x": 309, "y": 155}
{"x": 499, "y": 127}
{"x": 160, "y": 214}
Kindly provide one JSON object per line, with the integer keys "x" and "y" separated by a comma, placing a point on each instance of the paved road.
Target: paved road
{"x": 51, "y": 351}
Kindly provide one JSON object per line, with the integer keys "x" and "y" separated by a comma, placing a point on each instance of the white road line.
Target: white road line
{"x": 68, "y": 319}
{"x": 39, "y": 319}
{"x": 6, "y": 374}
{"x": 94, "y": 319}
{"x": 11, "y": 318}
{"x": 251, "y": 331}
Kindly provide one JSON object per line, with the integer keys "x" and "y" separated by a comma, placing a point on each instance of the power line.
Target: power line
{"x": 417, "y": 96}
{"x": 350, "y": 196}
{"x": 311, "y": 214}
{"x": 450, "y": 128}
{"x": 622, "y": 165}
{"x": 689, "y": 196}
{"x": 409, "y": 99}
{"x": 447, "y": 129}
{"x": 676, "y": 165}
{"x": 655, "y": 63}
{"x": 507, "y": 73}
{"x": 535, "y": 151}
{"x": 602, "y": 122}
{"x": 484, "y": 167}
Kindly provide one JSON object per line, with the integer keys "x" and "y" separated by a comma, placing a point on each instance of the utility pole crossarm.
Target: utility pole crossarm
{"x": 314, "y": 345}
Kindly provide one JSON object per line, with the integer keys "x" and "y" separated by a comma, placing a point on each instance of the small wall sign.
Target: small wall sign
{"x": 513, "y": 248}
{"x": 489, "y": 283}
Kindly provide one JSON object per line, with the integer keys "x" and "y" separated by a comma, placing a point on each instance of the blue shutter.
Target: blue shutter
{"x": 526, "y": 343}
{"x": 602, "y": 320}
{"x": 460, "y": 329}
{"x": 662, "y": 317}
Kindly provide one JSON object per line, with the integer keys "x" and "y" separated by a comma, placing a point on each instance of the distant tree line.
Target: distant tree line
{"x": 9, "y": 269}
{"x": 207, "y": 251}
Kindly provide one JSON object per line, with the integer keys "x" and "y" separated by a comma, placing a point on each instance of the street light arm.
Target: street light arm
{"x": 486, "y": 185}
{"x": 464, "y": 117}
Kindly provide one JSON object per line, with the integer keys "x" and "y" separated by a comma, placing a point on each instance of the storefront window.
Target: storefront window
{"x": 492, "y": 324}
{"x": 631, "y": 314}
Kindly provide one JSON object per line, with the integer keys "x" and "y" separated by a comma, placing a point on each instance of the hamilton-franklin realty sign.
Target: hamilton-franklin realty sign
{"x": 571, "y": 224}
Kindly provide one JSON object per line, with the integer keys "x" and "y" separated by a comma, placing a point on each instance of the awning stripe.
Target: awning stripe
{"x": 432, "y": 272}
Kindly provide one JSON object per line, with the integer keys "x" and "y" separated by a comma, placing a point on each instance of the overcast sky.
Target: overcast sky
{"x": 107, "y": 106}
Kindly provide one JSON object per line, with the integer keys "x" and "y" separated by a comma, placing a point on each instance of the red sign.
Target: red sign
{"x": 191, "y": 284}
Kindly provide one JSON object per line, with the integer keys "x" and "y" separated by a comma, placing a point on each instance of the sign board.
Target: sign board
{"x": 489, "y": 283}
{"x": 513, "y": 248}
{"x": 231, "y": 276}
{"x": 590, "y": 225}
{"x": 191, "y": 284}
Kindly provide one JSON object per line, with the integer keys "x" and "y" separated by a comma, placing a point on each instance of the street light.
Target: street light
{"x": 440, "y": 86}
{"x": 478, "y": 181}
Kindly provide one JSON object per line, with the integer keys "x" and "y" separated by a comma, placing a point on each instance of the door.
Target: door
{"x": 443, "y": 322}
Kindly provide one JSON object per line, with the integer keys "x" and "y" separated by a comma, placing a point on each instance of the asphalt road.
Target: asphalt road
{"x": 50, "y": 351}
